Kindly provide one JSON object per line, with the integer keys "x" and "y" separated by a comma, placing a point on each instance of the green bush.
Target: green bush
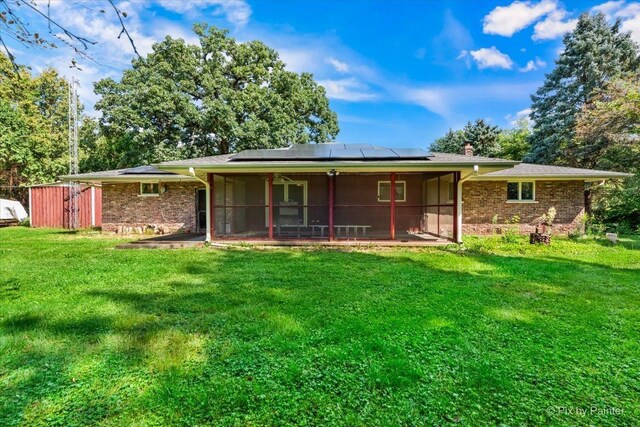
{"x": 512, "y": 230}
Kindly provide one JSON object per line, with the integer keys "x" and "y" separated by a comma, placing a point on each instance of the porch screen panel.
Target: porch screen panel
{"x": 362, "y": 209}
{"x": 446, "y": 222}
{"x": 240, "y": 206}
{"x": 427, "y": 213}
{"x": 300, "y": 206}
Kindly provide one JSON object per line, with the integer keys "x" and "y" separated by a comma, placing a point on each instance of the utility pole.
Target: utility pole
{"x": 74, "y": 188}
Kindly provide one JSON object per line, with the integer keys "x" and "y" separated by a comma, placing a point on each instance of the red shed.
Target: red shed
{"x": 49, "y": 205}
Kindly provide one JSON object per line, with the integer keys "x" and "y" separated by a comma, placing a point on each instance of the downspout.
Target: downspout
{"x": 459, "y": 202}
{"x": 192, "y": 172}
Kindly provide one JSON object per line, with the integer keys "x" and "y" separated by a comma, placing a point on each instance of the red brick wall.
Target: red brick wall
{"x": 175, "y": 210}
{"x": 484, "y": 199}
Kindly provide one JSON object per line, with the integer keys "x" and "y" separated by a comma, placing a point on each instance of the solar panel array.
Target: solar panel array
{"x": 332, "y": 152}
{"x": 144, "y": 170}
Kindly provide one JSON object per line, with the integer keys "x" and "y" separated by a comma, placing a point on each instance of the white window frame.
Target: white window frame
{"x": 143, "y": 194}
{"x": 286, "y": 183}
{"x": 519, "y": 199}
{"x": 404, "y": 191}
{"x": 451, "y": 191}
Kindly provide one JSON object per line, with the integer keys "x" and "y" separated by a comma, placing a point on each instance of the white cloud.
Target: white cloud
{"x": 609, "y": 7}
{"x": 432, "y": 99}
{"x": 632, "y": 25}
{"x": 551, "y": 20}
{"x": 628, "y": 13}
{"x": 299, "y": 60}
{"x": 489, "y": 58}
{"x": 553, "y": 26}
{"x": 236, "y": 12}
{"x": 340, "y": 66}
{"x": 446, "y": 100}
{"x": 508, "y": 20}
{"x": 348, "y": 89}
{"x": 520, "y": 115}
{"x": 533, "y": 65}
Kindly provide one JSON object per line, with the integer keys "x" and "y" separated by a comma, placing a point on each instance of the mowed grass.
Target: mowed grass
{"x": 490, "y": 334}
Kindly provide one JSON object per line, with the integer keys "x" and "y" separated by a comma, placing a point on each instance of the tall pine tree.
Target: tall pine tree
{"x": 483, "y": 137}
{"x": 451, "y": 142}
{"x": 594, "y": 53}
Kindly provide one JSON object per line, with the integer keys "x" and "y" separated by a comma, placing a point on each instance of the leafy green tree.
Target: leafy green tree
{"x": 215, "y": 98}
{"x": 608, "y": 137}
{"x": 451, "y": 142}
{"x": 594, "y": 52}
{"x": 514, "y": 143}
{"x": 97, "y": 152}
{"x": 33, "y": 125}
{"x": 15, "y": 150}
{"x": 608, "y": 128}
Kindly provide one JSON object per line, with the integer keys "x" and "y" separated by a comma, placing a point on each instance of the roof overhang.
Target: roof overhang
{"x": 559, "y": 177}
{"x": 126, "y": 178}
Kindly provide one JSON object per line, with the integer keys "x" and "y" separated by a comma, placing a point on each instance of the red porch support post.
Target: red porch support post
{"x": 212, "y": 215}
{"x": 332, "y": 184}
{"x": 270, "y": 206}
{"x": 456, "y": 178}
{"x": 392, "y": 197}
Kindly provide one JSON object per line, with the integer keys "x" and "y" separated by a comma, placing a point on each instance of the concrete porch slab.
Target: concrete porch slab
{"x": 190, "y": 240}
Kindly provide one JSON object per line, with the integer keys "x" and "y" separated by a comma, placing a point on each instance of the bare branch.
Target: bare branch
{"x": 15, "y": 26}
{"x": 10, "y": 55}
{"x": 85, "y": 42}
{"x": 124, "y": 28}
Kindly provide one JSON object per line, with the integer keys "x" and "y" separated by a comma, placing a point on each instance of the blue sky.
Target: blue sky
{"x": 398, "y": 73}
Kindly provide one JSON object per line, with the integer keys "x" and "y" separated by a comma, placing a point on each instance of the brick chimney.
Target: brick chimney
{"x": 468, "y": 149}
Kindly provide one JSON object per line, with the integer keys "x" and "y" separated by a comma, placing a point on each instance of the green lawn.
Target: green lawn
{"x": 489, "y": 334}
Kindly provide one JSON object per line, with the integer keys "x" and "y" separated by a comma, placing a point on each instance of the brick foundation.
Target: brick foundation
{"x": 174, "y": 210}
{"x": 484, "y": 199}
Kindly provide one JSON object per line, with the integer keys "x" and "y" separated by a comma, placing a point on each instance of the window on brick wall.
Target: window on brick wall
{"x": 384, "y": 191}
{"x": 522, "y": 191}
{"x": 149, "y": 189}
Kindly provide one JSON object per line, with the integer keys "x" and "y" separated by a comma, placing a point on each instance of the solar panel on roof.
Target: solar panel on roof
{"x": 408, "y": 153}
{"x": 347, "y": 154}
{"x": 144, "y": 170}
{"x": 332, "y": 151}
{"x": 359, "y": 146}
{"x": 379, "y": 153}
{"x": 315, "y": 147}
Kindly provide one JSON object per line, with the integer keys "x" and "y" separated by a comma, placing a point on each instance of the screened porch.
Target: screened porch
{"x": 333, "y": 206}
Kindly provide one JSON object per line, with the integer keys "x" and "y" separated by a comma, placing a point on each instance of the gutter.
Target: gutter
{"x": 476, "y": 170}
{"x": 619, "y": 175}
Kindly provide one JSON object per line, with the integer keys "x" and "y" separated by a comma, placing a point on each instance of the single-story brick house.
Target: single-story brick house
{"x": 340, "y": 191}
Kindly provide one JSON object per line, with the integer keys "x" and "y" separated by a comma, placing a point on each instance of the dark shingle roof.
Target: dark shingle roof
{"x": 529, "y": 170}
{"x": 138, "y": 172}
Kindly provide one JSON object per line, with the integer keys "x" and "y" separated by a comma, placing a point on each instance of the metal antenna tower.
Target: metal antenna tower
{"x": 74, "y": 189}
